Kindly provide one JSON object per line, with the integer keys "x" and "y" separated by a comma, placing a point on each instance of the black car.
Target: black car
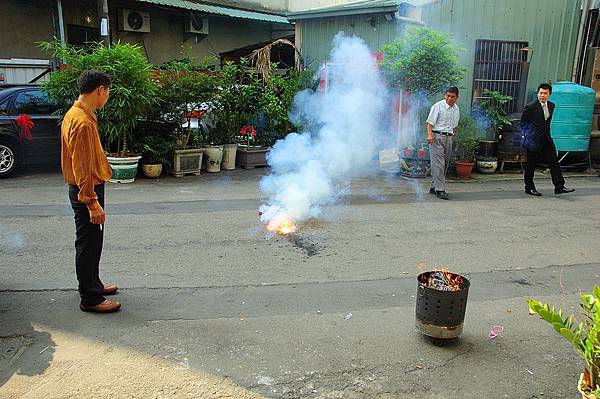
{"x": 30, "y": 103}
{"x": 44, "y": 145}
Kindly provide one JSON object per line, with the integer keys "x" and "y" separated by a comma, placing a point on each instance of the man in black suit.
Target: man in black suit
{"x": 535, "y": 125}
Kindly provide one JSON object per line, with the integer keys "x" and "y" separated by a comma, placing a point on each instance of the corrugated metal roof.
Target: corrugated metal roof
{"x": 229, "y": 12}
{"x": 360, "y": 7}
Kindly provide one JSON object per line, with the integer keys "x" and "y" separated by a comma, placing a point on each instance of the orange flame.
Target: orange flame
{"x": 453, "y": 281}
{"x": 282, "y": 225}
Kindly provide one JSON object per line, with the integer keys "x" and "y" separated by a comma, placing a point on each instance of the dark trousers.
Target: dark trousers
{"x": 88, "y": 248}
{"x": 546, "y": 154}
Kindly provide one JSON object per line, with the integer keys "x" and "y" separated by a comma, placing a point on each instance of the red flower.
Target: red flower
{"x": 25, "y": 123}
{"x": 248, "y": 130}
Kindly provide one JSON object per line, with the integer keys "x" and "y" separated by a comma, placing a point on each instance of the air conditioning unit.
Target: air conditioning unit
{"x": 134, "y": 21}
{"x": 196, "y": 23}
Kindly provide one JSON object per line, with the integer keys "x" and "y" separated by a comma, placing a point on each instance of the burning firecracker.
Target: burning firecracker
{"x": 282, "y": 224}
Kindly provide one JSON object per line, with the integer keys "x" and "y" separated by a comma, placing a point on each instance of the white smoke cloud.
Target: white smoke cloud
{"x": 343, "y": 129}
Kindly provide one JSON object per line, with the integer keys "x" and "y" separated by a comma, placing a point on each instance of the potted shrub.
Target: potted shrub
{"x": 133, "y": 91}
{"x": 276, "y": 102}
{"x": 584, "y": 336}
{"x": 422, "y": 152}
{"x": 237, "y": 103}
{"x": 186, "y": 92}
{"x": 250, "y": 156}
{"x": 491, "y": 117}
{"x": 465, "y": 144}
{"x": 156, "y": 151}
{"x": 417, "y": 86}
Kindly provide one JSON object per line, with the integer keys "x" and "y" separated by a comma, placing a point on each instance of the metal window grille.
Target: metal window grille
{"x": 498, "y": 66}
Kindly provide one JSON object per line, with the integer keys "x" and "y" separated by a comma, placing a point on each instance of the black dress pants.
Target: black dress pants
{"x": 546, "y": 154}
{"x": 88, "y": 248}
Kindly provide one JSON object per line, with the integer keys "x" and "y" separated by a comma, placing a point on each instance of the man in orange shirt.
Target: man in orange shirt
{"x": 85, "y": 170}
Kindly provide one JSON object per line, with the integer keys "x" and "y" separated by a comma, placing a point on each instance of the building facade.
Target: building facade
{"x": 165, "y": 29}
{"x": 499, "y": 37}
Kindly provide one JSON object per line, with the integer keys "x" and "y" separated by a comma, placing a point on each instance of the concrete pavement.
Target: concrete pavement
{"x": 214, "y": 307}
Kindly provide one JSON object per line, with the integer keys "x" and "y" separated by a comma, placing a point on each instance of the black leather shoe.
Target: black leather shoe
{"x": 432, "y": 191}
{"x": 563, "y": 190}
{"x": 441, "y": 195}
{"x": 533, "y": 192}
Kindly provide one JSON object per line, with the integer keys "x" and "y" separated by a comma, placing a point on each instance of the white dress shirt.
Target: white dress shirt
{"x": 444, "y": 118}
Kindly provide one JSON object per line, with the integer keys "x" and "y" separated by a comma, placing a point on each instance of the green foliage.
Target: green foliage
{"x": 237, "y": 101}
{"x": 155, "y": 148}
{"x": 133, "y": 88}
{"x": 244, "y": 98}
{"x": 584, "y": 336}
{"x": 276, "y": 102}
{"x": 465, "y": 143}
{"x": 186, "y": 91}
{"x": 424, "y": 60}
{"x": 492, "y": 109}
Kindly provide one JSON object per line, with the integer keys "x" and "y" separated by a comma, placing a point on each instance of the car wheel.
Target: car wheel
{"x": 9, "y": 158}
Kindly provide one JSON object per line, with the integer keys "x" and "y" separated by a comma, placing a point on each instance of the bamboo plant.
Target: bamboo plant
{"x": 132, "y": 93}
{"x": 584, "y": 336}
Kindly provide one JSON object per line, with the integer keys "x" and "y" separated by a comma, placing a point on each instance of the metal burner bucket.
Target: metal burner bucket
{"x": 440, "y": 314}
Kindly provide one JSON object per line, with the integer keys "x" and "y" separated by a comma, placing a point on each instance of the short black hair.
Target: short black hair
{"x": 91, "y": 79}
{"x": 452, "y": 89}
{"x": 545, "y": 86}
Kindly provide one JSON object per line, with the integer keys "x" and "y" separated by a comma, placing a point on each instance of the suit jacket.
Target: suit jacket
{"x": 536, "y": 129}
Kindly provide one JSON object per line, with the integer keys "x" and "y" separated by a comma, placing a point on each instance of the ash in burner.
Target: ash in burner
{"x": 304, "y": 243}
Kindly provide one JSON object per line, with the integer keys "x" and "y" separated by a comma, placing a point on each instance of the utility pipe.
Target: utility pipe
{"x": 61, "y": 22}
{"x": 585, "y": 6}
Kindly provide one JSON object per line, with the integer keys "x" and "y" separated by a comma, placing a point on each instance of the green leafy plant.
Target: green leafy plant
{"x": 491, "y": 109}
{"x": 424, "y": 60}
{"x": 185, "y": 93}
{"x": 237, "y": 101}
{"x": 584, "y": 336}
{"x": 277, "y": 100}
{"x": 465, "y": 143}
{"x": 155, "y": 149}
{"x": 132, "y": 93}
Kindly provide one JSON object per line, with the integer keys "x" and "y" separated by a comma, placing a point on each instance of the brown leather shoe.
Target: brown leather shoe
{"x": 109, "y": 289}
{"x": 103, "y": 307}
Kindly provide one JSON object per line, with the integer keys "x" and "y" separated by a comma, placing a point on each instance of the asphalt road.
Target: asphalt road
{"x": 215, "y": 307}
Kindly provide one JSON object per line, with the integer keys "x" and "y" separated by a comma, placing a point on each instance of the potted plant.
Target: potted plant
{"x": 186, "y": 92}
{"x": 237, "y": 103}
{"x": 422, "y": 152}
{"x": 491, "y": 117}
{"x": 417, "y": 86}
{"x": 250, "y": 156}
{"x": 465, "y": 144}
{"x": 276, "y": 102}
{"x": 156, "y": 151}
{"x": 584, "y": 336}
{"x": 133, "y": 91}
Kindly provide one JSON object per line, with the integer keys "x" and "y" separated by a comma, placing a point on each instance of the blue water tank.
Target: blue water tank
{"x": 572, "y": 118}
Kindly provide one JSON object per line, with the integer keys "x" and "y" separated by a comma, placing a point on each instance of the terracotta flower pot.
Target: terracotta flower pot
{"x": 463, "y": 169}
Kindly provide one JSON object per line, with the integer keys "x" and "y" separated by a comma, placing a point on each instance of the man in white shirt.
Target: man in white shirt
{"x": 441, "y": 128}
